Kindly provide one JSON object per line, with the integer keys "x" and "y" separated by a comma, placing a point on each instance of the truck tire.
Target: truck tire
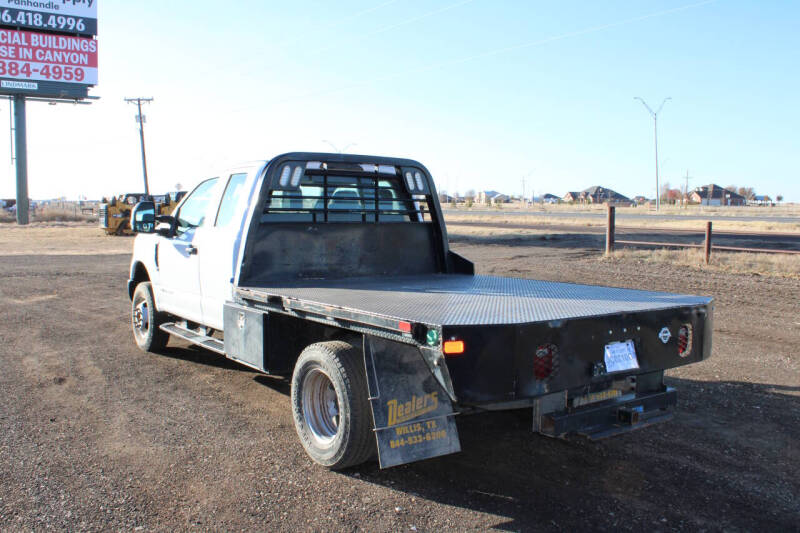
{"x": 331, "y": 409}
{"x": 145, "y": 319}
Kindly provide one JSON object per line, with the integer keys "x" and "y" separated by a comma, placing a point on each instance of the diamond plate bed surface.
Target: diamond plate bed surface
{"x": 455, "y": 300}
{"x": 459, "y": 300}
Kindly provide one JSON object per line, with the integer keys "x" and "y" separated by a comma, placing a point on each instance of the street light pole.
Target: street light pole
{"x": 343, "y": 150}
{"x": 654, "y": 114}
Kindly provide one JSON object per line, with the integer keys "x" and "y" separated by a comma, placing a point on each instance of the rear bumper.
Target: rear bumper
{"x": 606, "y": 419}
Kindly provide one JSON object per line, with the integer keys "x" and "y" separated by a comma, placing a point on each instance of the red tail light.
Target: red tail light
{"x": 545, "y": 361}
{"x": 685, "y": 340}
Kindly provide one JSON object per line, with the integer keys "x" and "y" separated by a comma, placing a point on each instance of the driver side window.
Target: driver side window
{"x": 193, "y": 211}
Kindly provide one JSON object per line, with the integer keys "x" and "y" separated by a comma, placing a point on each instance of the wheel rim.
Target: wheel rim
{"x": 320, "y": 406}
{"x": 141, "y": 318}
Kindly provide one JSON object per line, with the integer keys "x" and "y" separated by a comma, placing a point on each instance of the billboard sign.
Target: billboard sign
{"x": 46, "y": 64}
{"x": 68, "y": 16}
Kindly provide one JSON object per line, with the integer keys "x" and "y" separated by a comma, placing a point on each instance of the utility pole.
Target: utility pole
{"x": 140, "y": 120}
{"x": 686, "y": 191}
{"x": 524, "y": 180}
{"x": 654, "y": 114}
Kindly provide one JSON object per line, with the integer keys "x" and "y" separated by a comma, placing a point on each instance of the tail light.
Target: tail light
{"x": 545, "y": 361}
{"x": 685, "y": 340}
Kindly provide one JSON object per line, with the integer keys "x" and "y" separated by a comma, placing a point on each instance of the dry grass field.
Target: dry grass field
{"x": 60, "y": 238}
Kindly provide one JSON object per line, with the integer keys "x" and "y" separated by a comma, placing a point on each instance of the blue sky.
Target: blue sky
{"x": 483, "y": 92}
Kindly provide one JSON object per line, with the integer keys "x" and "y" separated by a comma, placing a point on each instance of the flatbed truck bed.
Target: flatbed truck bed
{"x": 462, "y": 300}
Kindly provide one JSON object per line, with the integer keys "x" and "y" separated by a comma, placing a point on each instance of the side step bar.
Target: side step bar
{"x": 209, "y": 343}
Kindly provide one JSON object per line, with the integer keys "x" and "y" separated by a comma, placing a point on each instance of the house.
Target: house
{"x": 574, "y": 197}
{"x": 500, "y": 198}
{"x": 549, "y": 198}
{"x": 603, "y": 195}
{"x": 492, "y": 197}
{"x": 485, "y": 197}
{"x": 760, "y": 199}
{"x": 640, "y": 200}
{"x": 716, "y": 195}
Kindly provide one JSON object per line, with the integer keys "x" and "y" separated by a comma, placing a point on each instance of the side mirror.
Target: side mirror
{"x": 166, "y": 225}
{"x": 143, "y": 217}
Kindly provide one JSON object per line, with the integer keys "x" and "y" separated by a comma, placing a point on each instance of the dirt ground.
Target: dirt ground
{"x": 96, "y": 435}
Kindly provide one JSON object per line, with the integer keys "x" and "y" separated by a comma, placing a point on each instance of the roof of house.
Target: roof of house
{"x": 600, "y": 193}
{"x": 716, "y": 192}
{"x": 548, "y": 196}
{"x": 490, "y": 193}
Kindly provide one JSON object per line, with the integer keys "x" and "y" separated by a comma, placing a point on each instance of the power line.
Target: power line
{"x": 140, "y": 119}
{"x": 489, "y": 53}
{"x": 247, "y": 65}
{"x": 401, "y": 23}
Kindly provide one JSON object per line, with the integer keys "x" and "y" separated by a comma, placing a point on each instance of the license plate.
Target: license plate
{"x": 620, "y": 356}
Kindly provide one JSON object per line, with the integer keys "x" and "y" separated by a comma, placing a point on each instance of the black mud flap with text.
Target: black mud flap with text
{"x": 413, "y": 414}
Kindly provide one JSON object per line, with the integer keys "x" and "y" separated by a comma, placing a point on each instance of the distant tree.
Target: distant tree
{"x": 664, "y": 192}
{"x": 674, "y": 196}
{"x": 470, "y": 195}
{"x": 779, "y": 198}
{"x": 747, "y": 192}
{"x": 731, "y": 188}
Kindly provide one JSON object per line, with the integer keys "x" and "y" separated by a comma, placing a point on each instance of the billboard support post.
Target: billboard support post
{"x": 21, "y": 148}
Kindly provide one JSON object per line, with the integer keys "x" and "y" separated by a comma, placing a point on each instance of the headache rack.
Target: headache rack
{"x": 329, "y": 195}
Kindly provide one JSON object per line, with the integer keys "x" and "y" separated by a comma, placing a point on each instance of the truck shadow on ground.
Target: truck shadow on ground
{"x": 201, "y": 356}
{"x": 704, "y": 469}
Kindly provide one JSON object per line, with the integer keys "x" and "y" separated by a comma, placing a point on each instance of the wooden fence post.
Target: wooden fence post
{"x": 708, "y": 242}
{"x": 610, "y": 230}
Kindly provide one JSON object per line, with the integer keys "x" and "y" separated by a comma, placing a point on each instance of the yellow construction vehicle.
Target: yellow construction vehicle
{"x": 115, "y": 213}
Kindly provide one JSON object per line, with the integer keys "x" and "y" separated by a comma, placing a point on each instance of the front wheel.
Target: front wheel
{"x": 331, "y": 410}
{"x": 146, "y": 320}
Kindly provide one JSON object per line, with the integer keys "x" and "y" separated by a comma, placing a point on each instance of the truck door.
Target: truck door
{"x": 223, "y": 235}
{"x": 178, "y": 287}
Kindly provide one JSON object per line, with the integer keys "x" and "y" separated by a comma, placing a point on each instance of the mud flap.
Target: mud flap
{"x": 413, "y": 414}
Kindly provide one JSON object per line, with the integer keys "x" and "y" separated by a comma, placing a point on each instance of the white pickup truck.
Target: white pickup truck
{"x": 335, "y": 269}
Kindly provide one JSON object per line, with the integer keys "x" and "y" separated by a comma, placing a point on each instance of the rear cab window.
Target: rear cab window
{"x": 322, "y": 195}
{"x": 230, "y": 200}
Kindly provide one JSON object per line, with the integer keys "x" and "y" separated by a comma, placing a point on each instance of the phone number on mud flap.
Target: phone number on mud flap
{"x": 417, "y": 434}
{"x": 43, "y": 71}
{"x": 13, "y": 17}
